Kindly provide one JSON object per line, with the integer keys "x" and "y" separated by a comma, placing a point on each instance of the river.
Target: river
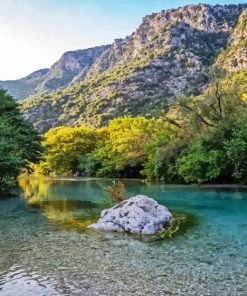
{"x": 45, "y": 248}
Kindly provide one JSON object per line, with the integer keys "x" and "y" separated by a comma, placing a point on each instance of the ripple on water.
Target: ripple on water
{"x": 18, "y": 282}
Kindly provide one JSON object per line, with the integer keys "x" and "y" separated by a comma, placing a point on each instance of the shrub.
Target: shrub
{"x": 116, "y": 191}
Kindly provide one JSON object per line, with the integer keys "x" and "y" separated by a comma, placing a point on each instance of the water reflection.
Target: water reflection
{"x": 64, "y": 201}
{"x": 77, "y": 202}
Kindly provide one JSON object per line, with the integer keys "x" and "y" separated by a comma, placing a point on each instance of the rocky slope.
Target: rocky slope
{"x": 70, "y": 68}
{"x": 234, "y": 57}
{"x": 168, "y": 55}
{"x": 24, "y": 87}
{"x": 201, "y": 17}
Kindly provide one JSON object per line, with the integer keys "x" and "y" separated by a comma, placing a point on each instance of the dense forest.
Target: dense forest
{"x": 200, "y": 139}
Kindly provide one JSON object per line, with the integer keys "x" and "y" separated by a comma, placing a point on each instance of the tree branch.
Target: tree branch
{"x": 197, "y": 114}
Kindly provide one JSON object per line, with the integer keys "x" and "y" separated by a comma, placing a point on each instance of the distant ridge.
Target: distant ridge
{"x": 73, "y": 65}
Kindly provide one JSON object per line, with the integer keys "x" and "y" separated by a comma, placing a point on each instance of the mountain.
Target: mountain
{"x": 168, "y": 55}
{"x": 24, "y": 87}
{"x": 71, "y": 67}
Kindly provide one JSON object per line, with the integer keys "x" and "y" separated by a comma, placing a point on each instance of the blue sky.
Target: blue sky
{"x": 34, "y": 33}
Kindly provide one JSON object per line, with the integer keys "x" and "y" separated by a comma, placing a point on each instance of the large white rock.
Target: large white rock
{"x": 138, "y": 214}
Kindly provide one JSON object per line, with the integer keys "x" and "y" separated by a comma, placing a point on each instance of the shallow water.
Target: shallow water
{"x": 45, "y": 249}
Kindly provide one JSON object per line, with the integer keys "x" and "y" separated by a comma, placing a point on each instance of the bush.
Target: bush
{"x": 116, "y": 191}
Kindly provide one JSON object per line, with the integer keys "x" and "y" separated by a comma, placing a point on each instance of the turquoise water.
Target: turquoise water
{"x": 46, "y": 250}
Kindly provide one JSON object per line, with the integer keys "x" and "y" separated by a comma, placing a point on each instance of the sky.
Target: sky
{"x": 35, "y": 33}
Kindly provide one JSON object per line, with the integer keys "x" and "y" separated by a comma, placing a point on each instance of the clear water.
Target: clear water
{"x": 46, "y": 250}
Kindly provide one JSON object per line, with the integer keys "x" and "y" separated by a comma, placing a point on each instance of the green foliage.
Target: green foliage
{"x": 19, "y": 143}
{"x": 123, "y": 150}
{"x": 64, "y": 147}
{"x": 162, "y": 153}
{"x": 212, "y": 153}
{"x": 181, "y": 223}
{"x": 237, "y": 153}
{"x": 202, "y": 161}
{"x": 217, "y": 156}
{"x": 116, "y": 150}
{"x": 198, "y": 148}
{"x": 201, "y": 139}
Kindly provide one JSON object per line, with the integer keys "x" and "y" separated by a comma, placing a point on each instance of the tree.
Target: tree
{"x": 217, "y": 106}
{"x": 122, "y": 152}
{"x": 237, "y": 153}
{"x": 211, "y": 121}
{"x": 64, "y": 146}
{"x": 19, "y": 143}
{"x": 163, "y": 152}
{"x": 203, "y": 160}
{"x": 198, "y": 140}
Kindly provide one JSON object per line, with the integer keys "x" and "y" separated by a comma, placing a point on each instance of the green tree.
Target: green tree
{"x": 209, "y": 121}
{"x": 122, "y": 152}
{"x": 163, "y": 152}
{"x": 64, "y": 146}
{"x": 237, "y": 153}
{"x": 204, "y": 159}
{"x": 19, "y": 143}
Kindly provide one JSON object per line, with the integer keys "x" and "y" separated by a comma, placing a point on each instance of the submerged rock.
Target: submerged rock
{"x": 138, "y": 214}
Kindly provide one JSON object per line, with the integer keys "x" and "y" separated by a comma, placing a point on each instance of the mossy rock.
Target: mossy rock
{"x": 182, "y": 222}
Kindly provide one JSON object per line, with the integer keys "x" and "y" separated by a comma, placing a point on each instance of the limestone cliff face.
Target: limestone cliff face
{"x": 168, "y": 55}
{"x": 200, "y": 17}
{"x": 70, "y": 68}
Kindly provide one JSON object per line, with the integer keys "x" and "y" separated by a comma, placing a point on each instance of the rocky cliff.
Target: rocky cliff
{"x": 70, "y": 68}
{"x": 201, "y": 17}
{"x": 168, "y": 55}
